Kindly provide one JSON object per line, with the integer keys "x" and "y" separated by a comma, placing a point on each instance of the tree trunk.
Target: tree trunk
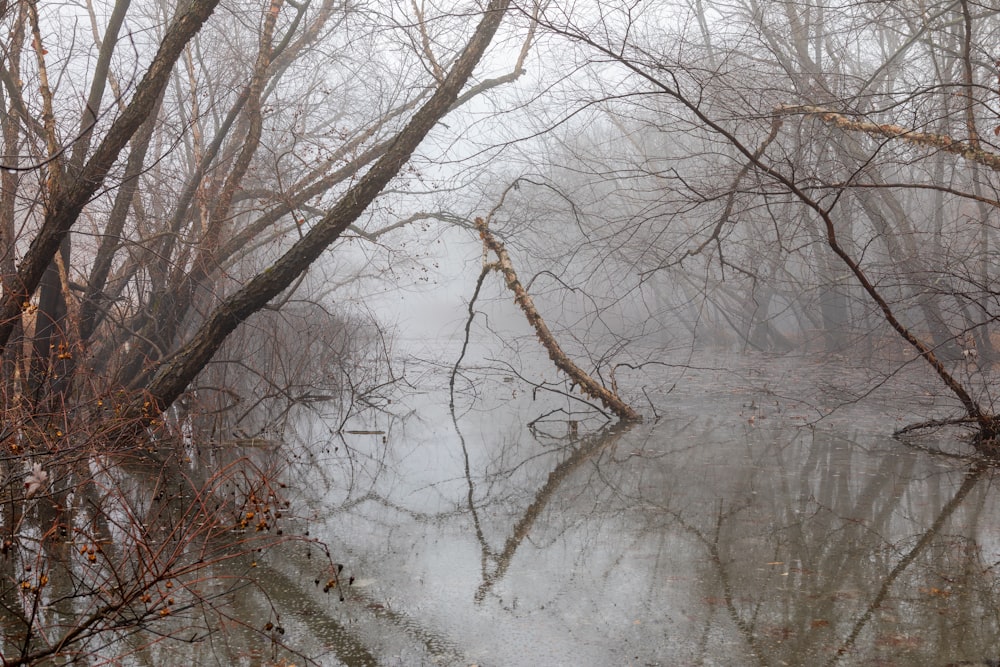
{"x": 73, "y": 194}
{"x": 175, "y": 374}
{"x": 588, "y": 385}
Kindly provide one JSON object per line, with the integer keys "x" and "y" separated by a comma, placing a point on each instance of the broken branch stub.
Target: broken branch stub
{"x": 589, "y": 385}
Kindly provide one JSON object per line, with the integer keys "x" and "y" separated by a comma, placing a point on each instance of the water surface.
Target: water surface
{"x": 735, "y": 529}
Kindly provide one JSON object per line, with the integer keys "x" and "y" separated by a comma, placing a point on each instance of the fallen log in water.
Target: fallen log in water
{"x": 589, "y": 385}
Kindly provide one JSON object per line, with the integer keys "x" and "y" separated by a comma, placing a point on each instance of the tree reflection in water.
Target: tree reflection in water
{"x": 701, "y": 539}
{"x": 696, "y": 540}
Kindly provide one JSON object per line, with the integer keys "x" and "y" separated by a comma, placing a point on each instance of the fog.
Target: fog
{"x": 567, "y": 332}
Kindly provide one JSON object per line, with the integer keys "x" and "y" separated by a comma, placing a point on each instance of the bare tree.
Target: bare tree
{"x": 784, "y": 169}
{"x": 167, "y": 174}
{"x": 213, "y": 185}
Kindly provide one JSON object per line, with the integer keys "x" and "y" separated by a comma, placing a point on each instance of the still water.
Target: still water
{"x": 738, "y": 528}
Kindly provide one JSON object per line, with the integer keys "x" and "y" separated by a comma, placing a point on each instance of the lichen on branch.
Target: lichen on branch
{"x": 929, "y": 139}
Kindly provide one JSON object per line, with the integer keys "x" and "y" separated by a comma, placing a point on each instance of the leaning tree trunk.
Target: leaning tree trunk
{"x": 176, "y": 373}
{"x": 589, "y": 385}
{"x": 72, "y": 194}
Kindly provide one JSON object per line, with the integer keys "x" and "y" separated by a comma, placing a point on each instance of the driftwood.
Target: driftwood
{"x": 589, "y": 386}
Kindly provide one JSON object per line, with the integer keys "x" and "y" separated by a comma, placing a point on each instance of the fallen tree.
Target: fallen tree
{"x": 588, "y": 385}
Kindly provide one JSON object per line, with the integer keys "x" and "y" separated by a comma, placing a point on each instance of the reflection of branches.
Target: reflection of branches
{"x": 316, "y": 617}
{"x": 470, "y": 499}
{"x": 110, "y": 563}
{"x": 388, "y": 504}
{"x": 972, "y": 477}
{"x": 827, "y": 555}
{"x": 341, "y": 639}
{"x": 589, "y": 446}
{"x": 711, "y": 544}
